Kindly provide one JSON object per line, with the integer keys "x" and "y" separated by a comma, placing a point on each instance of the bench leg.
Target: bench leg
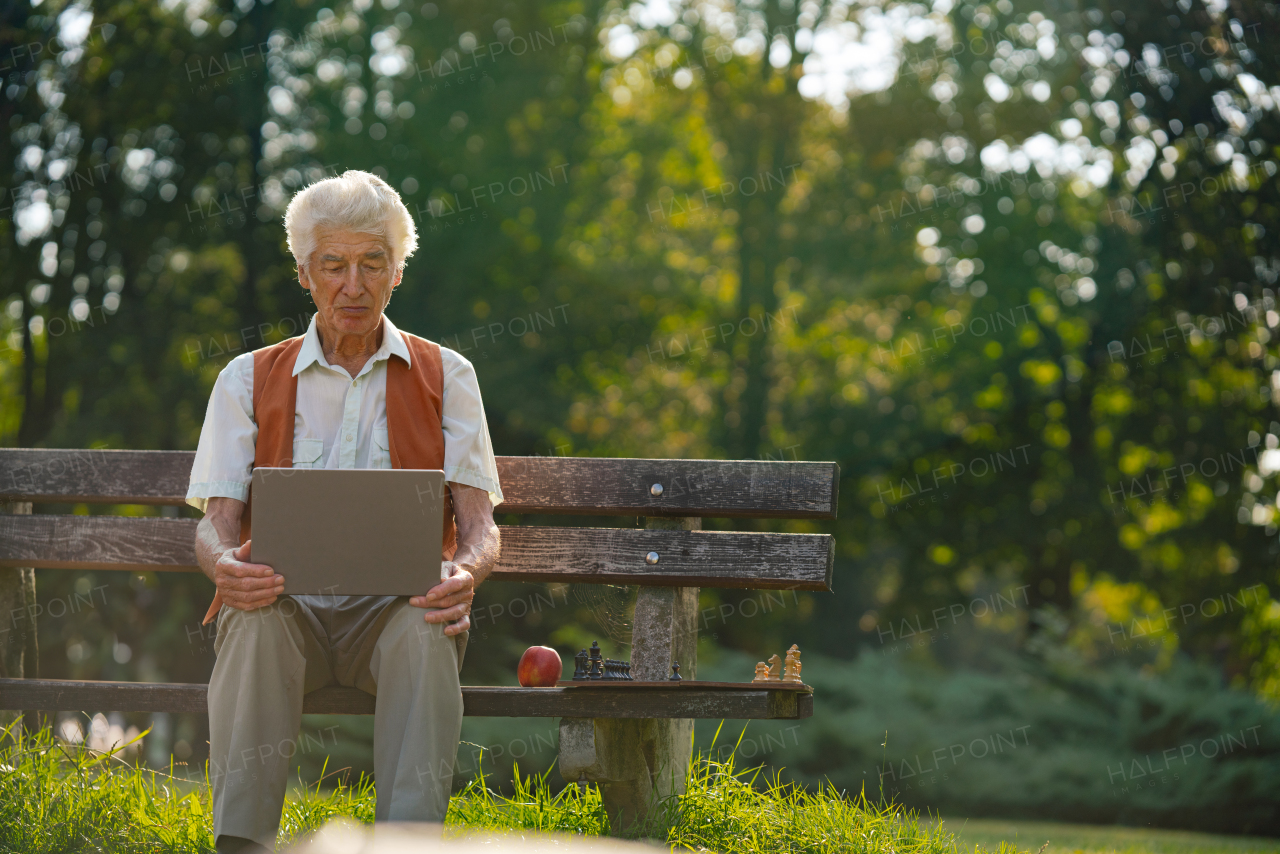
{"x": 17, "y": 635}
{"x": 637, "y": 761}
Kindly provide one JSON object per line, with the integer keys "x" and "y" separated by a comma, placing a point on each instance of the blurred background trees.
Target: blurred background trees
{"x": 1011, "y": 264}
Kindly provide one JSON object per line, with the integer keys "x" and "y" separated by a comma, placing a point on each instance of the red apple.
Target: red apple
{"x": 539, "y": 667}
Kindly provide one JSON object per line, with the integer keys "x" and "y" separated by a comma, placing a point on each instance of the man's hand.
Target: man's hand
{"x": 245, "y": 586}
{"x": 453, "y": 599}
{"x": 477, "y": 554}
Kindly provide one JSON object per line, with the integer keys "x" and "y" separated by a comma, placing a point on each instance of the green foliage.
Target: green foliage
{"x": 531, "y": 806}
{"x": 1089, "y": 839}
{"x": 60, "y": 798}
{"x": 1046, "y": 737}
{"x": 748, "y": 811}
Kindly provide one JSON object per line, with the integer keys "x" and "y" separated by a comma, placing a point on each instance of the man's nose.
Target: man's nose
{"x": 352, "y": 282}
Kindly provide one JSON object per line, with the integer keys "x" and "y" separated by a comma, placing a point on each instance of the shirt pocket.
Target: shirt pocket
{"x": 306, "y": 453}
{"x": 380, "y": 453}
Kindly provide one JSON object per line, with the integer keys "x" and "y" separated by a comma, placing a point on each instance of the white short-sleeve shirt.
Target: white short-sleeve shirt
{"x": 340, "y": 422}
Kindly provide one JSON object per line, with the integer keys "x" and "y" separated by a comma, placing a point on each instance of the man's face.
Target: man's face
{"x": 350, "y": 276}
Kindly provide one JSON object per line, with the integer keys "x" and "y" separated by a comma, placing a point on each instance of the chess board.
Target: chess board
{"x": 687, "y": 684}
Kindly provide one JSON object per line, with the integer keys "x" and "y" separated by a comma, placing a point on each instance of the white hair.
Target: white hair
{"x": 357, "y": 201}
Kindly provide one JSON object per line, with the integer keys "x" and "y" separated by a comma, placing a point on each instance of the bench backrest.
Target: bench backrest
{"x": 571, "y": 486}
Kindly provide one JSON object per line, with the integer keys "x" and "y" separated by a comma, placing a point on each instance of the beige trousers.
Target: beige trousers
{"x": 269, "y": 658}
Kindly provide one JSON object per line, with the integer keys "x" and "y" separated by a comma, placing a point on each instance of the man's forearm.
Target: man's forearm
{"x": 481, "y": 557}
{"x": 218, "y": 531}
{"x": 479, "y": 543}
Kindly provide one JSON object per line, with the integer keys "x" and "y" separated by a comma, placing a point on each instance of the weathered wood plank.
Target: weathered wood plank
{"x": 95, "y": 476}
{"x": 535, "y": 485}
{"x": 99, "y": 542}
{"x": 622, "y": 487}
{"x": 683, "y": 685}
{"x": 685, "y": 558}
{"x": 747, "y": 704}
{"x": 68, "y": 695}
{"x": 478, "y": 701}
{"x": 529, "y": 553}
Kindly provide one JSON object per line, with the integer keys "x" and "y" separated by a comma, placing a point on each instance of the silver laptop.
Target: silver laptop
{"x": 349, "y": 532}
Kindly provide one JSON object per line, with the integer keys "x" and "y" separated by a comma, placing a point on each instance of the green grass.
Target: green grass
{"x": 1093, "y": 839}
{"x": 57, "y": 798}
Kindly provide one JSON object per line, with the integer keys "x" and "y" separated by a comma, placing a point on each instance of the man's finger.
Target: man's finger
{"x": 461, "y": 596}
{"x": 257, "y": 598}
{"x": 251, "y": 604}
{"x": 453, "y": 585}
{"x": 444, "y": 588}
{"x": 458, "y": 627}
{"x": 245, "y": 570}
{"x": 253, "y": 584}
{"x": 446, "y": 615}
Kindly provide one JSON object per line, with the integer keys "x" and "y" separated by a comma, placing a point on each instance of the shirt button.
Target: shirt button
{"x": 350, "y": 437}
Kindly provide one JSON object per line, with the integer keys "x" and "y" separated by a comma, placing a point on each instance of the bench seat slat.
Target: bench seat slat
{"x": 745, "y": 560}
{"x": 536, "y": 485}
{"x": 477, "y": 701}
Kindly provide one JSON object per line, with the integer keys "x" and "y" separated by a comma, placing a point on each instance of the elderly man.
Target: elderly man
{"x": 352, "y": 392}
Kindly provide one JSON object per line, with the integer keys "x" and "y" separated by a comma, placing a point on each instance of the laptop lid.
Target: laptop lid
{"x": 349, "y": 532}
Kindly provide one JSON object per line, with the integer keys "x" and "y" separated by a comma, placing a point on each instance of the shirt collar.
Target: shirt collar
{"x": 312, "y": 353}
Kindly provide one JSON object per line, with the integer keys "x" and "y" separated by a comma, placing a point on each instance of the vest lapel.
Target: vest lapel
{"x": 275, "y": 402}
{"x": 415, "y": 415}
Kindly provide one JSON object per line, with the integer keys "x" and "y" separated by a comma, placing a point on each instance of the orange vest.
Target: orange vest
{"x": 415, "y": 396}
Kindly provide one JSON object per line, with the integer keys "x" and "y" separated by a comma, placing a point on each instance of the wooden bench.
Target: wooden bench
{"x": 631, "y": 740}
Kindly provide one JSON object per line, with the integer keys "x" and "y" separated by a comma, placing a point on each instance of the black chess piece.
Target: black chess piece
{"x": 596, "y": 668}
{"x": 626, "y": 671}
{"x": 675, "y": 673}
{"x": 580, "y": 666}
{"x": 611, "y": 669}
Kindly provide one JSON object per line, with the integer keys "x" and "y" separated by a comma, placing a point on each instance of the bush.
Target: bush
{"x": 1040, "y": 737}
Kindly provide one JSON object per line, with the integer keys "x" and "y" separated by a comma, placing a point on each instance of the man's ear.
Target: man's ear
{"x": 303, "y": 278}
{"x": 399, "y": 275}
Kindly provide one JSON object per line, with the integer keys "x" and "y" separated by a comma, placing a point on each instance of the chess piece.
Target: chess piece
{"x": 580, "y": 666}
{"x": 775, "y": 668}
{"x": 792, "y": 673}
{"x": 675, "y": 673}
{"x": 762, "y": 672}
{"x": 626, "y": 671}
{"x": 596, "y": 668}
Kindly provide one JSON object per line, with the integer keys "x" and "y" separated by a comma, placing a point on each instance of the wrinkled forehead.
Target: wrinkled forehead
{"x": 346, "y": 245}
